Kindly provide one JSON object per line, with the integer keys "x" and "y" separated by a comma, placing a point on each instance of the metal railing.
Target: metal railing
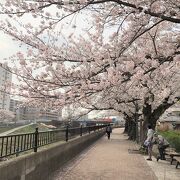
{"x": 15, "y": 144}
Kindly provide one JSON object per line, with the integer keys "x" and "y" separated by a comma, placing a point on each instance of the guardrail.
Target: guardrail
{"x": 15, "y": 144}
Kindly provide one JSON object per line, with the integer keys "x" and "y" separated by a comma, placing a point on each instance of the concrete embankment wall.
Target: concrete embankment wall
{"x": 39, "y": 166}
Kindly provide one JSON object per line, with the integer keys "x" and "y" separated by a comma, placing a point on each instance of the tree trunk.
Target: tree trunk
{"x": 146, "y": 116}
{"x": 132, "y": 131}
{"x": 150, "y": 118}
{"x": 141, "y": 132}
{"x": 126, "y": 126}
{"x": 129, "y": 127}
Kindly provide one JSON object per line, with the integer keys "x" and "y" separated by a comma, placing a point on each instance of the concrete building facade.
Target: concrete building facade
{"x": 170, "y": 119}
{"x": 5, "y": 81}
{"x": 38, "y": 114}
{"x": 32, "y": 113}
{"x": 18, "y": 111}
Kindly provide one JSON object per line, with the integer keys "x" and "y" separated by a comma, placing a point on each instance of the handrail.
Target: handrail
{"x": 17, "y": 143}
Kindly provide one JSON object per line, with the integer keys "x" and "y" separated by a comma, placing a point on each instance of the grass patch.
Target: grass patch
{"x": 4, "y": 129}
{"x": 173, "y": 137}
{"x": 30, "y": 129}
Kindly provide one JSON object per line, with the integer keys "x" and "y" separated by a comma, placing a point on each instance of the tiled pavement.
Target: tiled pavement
{"x": 108, "y": 159}
{"x": 164, "y": 170}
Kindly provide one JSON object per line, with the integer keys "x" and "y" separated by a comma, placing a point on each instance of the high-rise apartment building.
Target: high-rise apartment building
{"x": 5, "y": 80}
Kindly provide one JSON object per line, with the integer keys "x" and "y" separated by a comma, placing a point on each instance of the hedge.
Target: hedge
{"x": 173, "y": 137}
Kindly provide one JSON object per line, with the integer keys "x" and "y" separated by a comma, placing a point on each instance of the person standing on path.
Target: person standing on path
{"x": 149, "y": 142}
{"x": 108, "y": 130}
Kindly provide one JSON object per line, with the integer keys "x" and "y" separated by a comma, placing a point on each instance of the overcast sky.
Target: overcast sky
{"x": 7, "y": 46}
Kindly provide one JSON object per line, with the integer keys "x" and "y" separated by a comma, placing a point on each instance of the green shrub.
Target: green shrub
{"x": 173, "y": 137}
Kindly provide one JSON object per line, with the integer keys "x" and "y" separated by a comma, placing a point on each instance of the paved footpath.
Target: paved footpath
{"x": 108, "y": 159}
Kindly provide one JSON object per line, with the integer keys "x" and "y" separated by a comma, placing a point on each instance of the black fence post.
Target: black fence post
{"x": 36, "y": 140}
{"x": 81, "y": 130}
{"x": 67, "y": 133}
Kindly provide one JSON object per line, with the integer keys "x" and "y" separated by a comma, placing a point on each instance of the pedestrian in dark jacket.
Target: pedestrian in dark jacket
{"x": 108, "y": 130}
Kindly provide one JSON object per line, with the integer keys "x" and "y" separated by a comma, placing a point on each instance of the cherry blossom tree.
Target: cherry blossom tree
{"x": 6, "y": 115}
{"x": 126, "y": 52}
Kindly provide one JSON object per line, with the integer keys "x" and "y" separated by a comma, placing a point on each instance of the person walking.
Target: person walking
{"x": 149, "y": 142}
{"x": 108, "y": 130}
{"x": 162, "y": 145}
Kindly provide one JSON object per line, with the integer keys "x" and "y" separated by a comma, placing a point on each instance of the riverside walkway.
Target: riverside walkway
{"x": 108, "y": 159}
